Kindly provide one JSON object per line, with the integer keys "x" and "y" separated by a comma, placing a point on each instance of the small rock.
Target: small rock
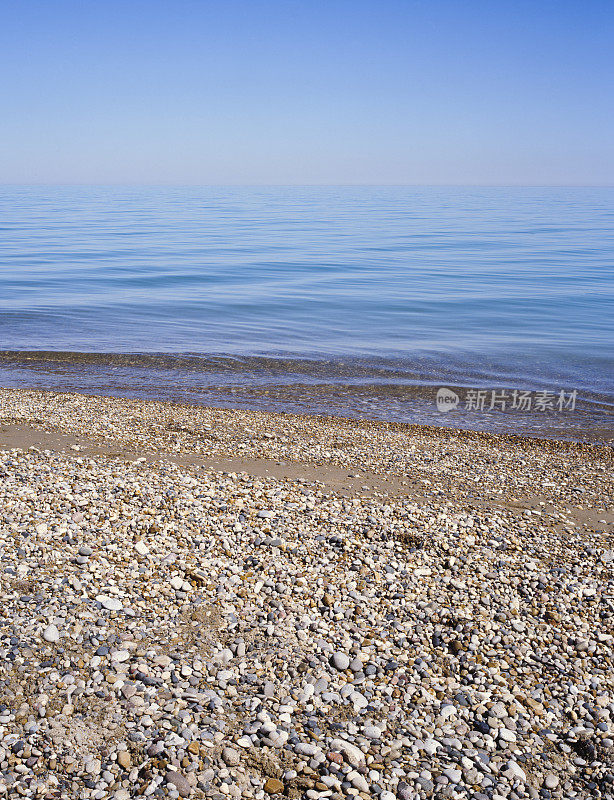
{"x": 426, "y": 784}
{"x": 51, "y": 634}
{"x": 180, "y": 783}
{"x": 404, "y": 792}
{"x": 245, "y": 742}
{"x": 273, "y": 786}
{"x": 110, "y": 603}
{"x": 515, "y": 771}
{"x": 93, "y": 767}
{"x": 453, "y": 775}
{"x": 231, "y": 757}
{"x": 353, "y": 754}
{"x": 120, "y": 655}
{"x": 358, "y": 781}
{"x": 341, "y": 661}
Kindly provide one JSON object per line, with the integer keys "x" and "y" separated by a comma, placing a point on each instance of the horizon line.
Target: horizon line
{"x": 314, "y": 185}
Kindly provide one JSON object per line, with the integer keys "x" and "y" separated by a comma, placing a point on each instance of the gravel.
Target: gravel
{"x": 172, "y": 631}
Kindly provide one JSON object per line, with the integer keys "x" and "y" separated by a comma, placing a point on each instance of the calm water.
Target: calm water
{"x": 343, "y": 300}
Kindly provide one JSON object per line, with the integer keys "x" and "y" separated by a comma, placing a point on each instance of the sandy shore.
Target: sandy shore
{"x": 203, "y": 602}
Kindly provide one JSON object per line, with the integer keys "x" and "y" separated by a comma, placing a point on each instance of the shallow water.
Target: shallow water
{"x": 348, "y": 300}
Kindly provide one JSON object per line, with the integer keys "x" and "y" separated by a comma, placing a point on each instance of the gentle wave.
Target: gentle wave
{"x": 388, "y": 391}
{"x": 374, "y": 294}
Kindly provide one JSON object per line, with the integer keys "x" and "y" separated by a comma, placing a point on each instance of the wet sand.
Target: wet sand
{"x": 211, "y": 439}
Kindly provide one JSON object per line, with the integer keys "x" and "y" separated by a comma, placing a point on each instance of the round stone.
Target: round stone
{"x": 231, "y": 757}
{"x": 180, "y": 783}
{"x": 120, "y": 655}
{"x": 51, "y": 634}
{"x": 453, "y": 775}
{"x": 110, "y": 603}
{"x": 341, "y": 661}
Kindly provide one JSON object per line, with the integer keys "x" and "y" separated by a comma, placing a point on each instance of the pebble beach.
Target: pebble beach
{"x": 214, "y": 603}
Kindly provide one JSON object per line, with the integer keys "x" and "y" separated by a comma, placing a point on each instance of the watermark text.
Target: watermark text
{"x": 505, "y": 400}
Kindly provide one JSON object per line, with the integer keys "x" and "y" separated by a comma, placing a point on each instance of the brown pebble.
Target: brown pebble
{"x": 273, "y": 786}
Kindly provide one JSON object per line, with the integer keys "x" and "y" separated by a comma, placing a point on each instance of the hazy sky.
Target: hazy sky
{"x": 289, "y": 91}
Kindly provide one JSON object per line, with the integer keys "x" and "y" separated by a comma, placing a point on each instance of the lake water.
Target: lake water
{"x": 359, "y": 301}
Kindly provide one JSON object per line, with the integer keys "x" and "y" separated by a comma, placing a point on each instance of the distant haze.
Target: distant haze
{"x": 307, "y": 92}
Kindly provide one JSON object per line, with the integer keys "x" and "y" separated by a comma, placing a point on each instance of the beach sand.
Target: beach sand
{"x": 216, "y": 603}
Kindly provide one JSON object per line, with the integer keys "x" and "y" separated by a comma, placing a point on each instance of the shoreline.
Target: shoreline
{"x": 469, "y": 434}
{"x": 347, "y": 389}
{"x": 207, "y": 603}
{"x": 239, "y": 440}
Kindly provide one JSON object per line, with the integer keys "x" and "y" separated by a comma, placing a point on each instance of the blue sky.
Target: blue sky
{"x": 288, "y": 92}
